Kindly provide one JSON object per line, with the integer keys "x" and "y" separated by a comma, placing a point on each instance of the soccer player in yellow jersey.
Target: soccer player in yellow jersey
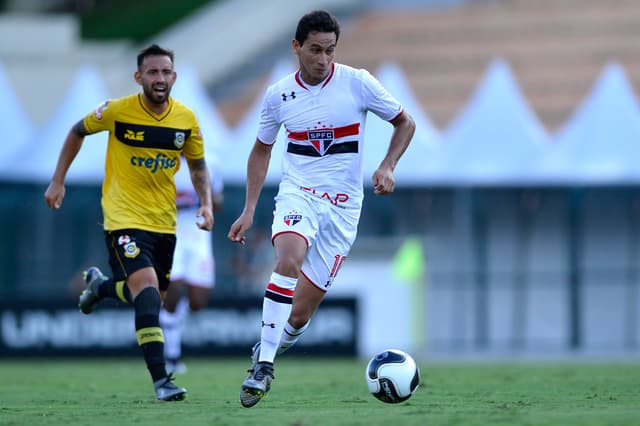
{"x": 148, "y": 132}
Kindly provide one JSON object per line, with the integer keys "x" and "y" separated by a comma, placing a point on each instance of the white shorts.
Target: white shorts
{"x": 329, "y": 231}
{"x": 193, "y": 260}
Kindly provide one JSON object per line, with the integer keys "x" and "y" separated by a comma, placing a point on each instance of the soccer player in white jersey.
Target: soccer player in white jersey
{"x": 322, "y": 107}
{"x": 193, "y": 269}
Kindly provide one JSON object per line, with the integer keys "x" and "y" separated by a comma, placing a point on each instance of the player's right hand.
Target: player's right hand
{"x": 238, "y": 229}
{"x": 54, "y": 195}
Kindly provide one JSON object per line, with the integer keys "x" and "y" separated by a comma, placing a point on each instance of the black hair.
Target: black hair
{"x": 153, "y": 50}
{"x": 317, "y": 21}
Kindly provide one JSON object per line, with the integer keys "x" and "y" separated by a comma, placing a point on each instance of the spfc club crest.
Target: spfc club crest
{"x": 321, "y": 139}
{"x": 292, "y": 218}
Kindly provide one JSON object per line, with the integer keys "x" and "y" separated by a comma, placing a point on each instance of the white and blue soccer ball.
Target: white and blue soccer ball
{"x": 392, "y": 376}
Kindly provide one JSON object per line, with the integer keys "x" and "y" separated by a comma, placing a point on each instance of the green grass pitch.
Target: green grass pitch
{"x": 320, "y": 392}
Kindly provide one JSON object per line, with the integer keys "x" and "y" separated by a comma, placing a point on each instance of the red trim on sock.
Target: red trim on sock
{"x": 283, "y": 291}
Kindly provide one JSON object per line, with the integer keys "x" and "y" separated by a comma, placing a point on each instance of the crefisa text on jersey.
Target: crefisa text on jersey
{"x": 160, "y": 161}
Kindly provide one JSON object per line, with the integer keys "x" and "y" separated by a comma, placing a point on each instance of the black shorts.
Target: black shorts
{"x": 133, "y": 249}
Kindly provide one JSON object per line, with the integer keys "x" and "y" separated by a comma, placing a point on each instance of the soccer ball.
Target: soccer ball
{"x": 392, "y": 376}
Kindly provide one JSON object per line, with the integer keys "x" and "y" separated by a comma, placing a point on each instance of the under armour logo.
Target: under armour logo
{"x": 285, "y": 96}
{"x": 272, "y": 325}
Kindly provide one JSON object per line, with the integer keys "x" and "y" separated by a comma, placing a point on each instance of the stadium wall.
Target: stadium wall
{"x": 513, "y": 270}
{"x": 50, "y": 329}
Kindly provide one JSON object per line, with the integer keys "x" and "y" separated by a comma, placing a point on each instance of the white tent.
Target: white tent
{"x": 16, "y": 126}
{"x": 600, "y": 143}
{"x": 497, "y": 139}
{"x": 190, "y": 90}
{"x": 422, "y": 162}
{"x": 394, "y": 80}
{"x": 37, "y": 160}
{"x": 243, "y": 136}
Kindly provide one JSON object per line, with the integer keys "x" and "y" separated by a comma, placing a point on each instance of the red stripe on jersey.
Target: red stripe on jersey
{"x": 301, "y": 83}
{"x": 338, "y": 132}
{"x": 333, "y": 67}
{"x": 283, "y": 291}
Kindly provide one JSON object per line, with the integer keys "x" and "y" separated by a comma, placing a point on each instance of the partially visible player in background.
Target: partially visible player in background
{"x": 148, "y": 132}
{"x": 193, "y": 270}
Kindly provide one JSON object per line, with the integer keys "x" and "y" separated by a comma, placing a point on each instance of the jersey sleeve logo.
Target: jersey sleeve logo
{"x": 100, "y": 109}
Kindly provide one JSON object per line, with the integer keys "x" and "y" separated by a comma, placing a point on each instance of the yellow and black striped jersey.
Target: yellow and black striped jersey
{"x": 143, "y": 154}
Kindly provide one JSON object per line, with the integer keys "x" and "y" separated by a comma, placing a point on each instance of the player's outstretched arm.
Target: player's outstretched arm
{"x": 54, "y": 194}
{"x": 257, "y": 167}
{"x": 403, "y": 129}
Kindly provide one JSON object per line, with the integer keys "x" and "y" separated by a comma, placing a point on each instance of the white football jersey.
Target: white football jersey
{"x": 324, "y": 129}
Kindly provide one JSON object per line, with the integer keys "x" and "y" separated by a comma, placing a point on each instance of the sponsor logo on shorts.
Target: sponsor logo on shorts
{"x": 292, "y": 218}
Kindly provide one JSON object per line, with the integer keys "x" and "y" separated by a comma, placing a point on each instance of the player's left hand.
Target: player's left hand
{"x": 205, "y": 218}
{"x": 383, "y": 181}
{"x": 54, "y": 195}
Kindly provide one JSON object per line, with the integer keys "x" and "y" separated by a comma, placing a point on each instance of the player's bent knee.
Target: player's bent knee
{"x": 288, "y": 266}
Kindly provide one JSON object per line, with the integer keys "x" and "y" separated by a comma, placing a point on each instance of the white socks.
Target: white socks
{"x": 290, "y": 336}
{"x": 171, "y": 324}
{"x": 276, "y": 308}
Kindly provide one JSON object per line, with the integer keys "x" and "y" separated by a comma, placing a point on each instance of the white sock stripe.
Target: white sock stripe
{"x": 290, "y": 336}
{"x": 293, "y": 332}
{"x": 282, "y": 281}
